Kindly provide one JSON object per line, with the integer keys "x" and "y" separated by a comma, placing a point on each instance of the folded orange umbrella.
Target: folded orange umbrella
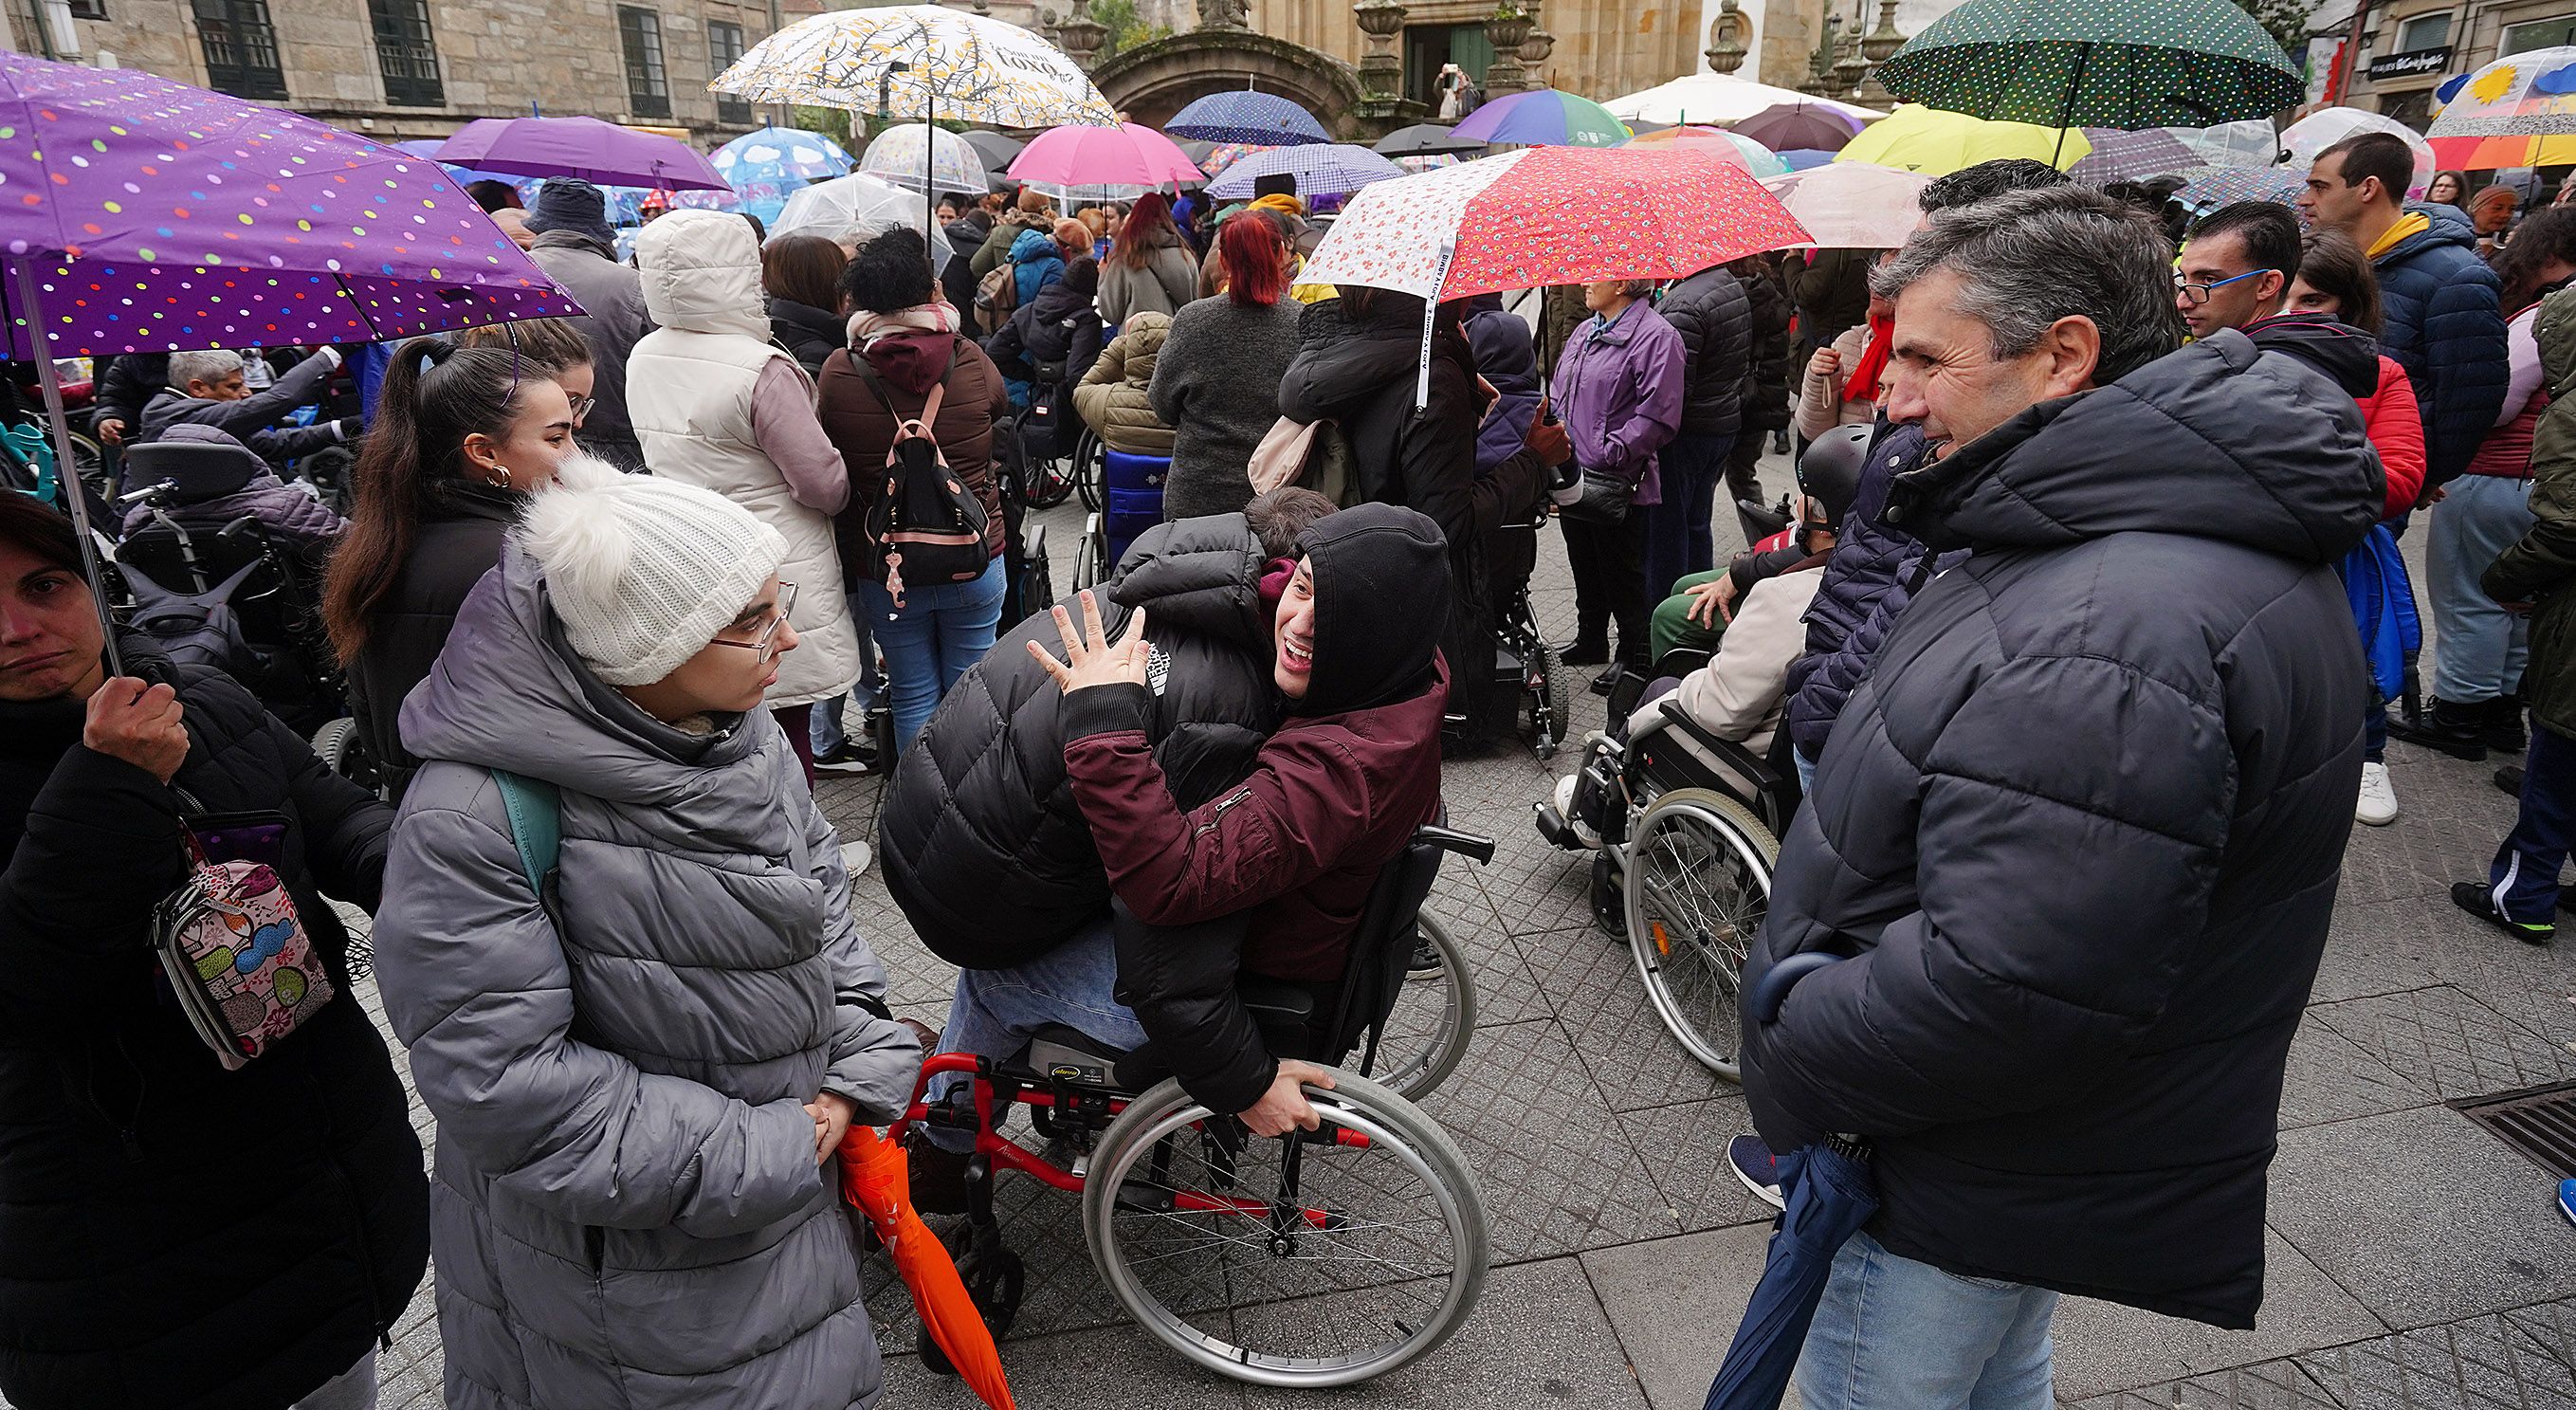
{"x": 873, "y": 1178}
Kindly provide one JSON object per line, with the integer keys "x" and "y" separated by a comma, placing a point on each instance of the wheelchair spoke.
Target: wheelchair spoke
{"x": 1699, "y": 892}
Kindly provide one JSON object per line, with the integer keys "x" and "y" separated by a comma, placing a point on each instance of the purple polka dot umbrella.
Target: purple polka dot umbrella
{"x": 138, "y": 214}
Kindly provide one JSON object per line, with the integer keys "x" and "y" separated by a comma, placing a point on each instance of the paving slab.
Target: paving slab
{"x": 2330, "y": 1078}
{"x": 1684, "y": 1147}
{"x": 1676, "y": 1304}
{"x": 1110, "y": 1368}
{"x": 2479, "y": 1363}
{"x": 1592, "y": 982}
{"x": 2103, "y": 1346}
{"x": 2446, "y": 1043}
{"x": 2271, "y": 1385}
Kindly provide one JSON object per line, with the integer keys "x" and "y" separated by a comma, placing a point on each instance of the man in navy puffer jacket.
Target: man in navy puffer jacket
{"x": 2438, "y": 300}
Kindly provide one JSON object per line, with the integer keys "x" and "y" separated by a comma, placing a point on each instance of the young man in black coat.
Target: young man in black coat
{"x": 2077, "y": 836}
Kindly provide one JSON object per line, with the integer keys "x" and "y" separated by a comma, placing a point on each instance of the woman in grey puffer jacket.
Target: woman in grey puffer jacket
{"x": 639, "y": 1079}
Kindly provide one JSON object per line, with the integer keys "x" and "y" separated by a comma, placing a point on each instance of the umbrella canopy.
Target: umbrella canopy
{"x": 997, "y": 150}
{"x": 1215, "y": 158}
{"x": 1829, "y": 1194}
{"x": 1803, "y": 127}
{"x": 1321, "y": 169}
{"x": 2248, "y": 143}
{"x": 849, "y": 209}
{"x": 1426, "y": 139}
{"x": 1853, "y": 205}
{"x": 1263, "y": 119}
{"x": 427, "y": 147}
{"x": 1937, "y": 143}
{"x": 764, "y": 166}
{"x": 956, "y": 65}
{"x": 2132, "y": 156}
{"x": 2518, "y": 111}
{"x": 595, "y": 151}
{"x": 1543, "y": 117}
{"x": 1732, "y": 147}
{"x": 1717, "y": 98}
{"x": 1550, "y": 215}
{"x": 2302, "y": 140}
{"x": 908, "y": 154}
{"x": 875, "y": 1181}
{"x": 1123, "y": 155}
{"x": 2137, "y": 63}
{"x": 2206, "y": 188}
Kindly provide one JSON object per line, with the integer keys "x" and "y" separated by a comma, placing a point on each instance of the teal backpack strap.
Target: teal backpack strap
{"x": 536, "y": 824}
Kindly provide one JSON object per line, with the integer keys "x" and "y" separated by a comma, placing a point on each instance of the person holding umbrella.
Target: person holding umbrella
{"x": 2069, "y": 1073}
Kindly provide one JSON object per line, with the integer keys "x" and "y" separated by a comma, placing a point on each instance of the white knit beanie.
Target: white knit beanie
{"x": 644, "y": 571}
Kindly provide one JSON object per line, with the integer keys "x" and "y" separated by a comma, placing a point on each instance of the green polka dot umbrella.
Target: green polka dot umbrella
{"x": 2127, "y": 64}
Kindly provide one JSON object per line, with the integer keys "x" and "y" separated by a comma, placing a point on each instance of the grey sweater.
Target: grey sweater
{"x": 1217, "y": 386}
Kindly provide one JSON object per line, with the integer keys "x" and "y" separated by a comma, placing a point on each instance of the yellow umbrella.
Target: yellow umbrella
{"x": 1935, "y": 142}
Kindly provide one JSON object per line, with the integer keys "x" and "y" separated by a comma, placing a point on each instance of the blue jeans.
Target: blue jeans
{"x": 996, "y": 1010}
{"x": 1678, "y": 532}
{"x": 2481, "y": 648}
{"x": 2524, "y": 876}
{"x": 825, "y": 733}
{"x": 930, "y": 641}
{"x": 1894, "y": 1334}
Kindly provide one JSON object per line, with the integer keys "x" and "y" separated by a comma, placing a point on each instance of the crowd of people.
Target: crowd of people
{"x": 2092, "y": 557}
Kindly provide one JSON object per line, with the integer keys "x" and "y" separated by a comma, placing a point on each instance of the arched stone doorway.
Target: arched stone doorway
{"x": 1153, "y": 81}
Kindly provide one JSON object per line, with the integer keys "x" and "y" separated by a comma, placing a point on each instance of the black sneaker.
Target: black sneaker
{"x": 1779, "y": 443}
{"x": 2474, "y": 897}
{"x": 2457, "y": 730}
{"x": 1751, "y": 1161}
{"x": 2504, "y": 733}
{"x": 851, "y": 758}
{"x": 2509, "y": 778}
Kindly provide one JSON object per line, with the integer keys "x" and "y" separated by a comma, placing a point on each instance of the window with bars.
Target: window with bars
{"x": 724, "y": 45}
{"x": 241, "y": 48}
{"x": 648, "y": 88}
{"x": 407, "y": 53}
{"x": 89, "y": 9}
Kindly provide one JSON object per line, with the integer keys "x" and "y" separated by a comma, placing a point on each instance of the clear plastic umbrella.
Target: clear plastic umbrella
{"x": 907, "y": 154}
{"x": 2312, "y": 134}
{"x": 850, "y": 209}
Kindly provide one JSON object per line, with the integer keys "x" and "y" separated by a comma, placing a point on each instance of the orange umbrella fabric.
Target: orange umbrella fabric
{"x": 873, "y": 1179}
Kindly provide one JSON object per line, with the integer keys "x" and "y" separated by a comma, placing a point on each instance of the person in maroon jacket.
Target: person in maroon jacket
{"x": 1290, "y": 854}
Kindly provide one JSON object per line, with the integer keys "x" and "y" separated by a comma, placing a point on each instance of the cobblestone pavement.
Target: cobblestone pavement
{"x": 2413, "y": 1261}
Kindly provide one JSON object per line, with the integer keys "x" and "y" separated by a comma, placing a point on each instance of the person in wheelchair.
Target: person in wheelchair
{"x": 214, "y": 479}
{"x": 206, "y": 389}
{"x": 1287, "y": 858}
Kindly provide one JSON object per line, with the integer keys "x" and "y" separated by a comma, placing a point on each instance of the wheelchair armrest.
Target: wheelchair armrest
{"x": 1465, "y": 844}
{"x": 1754, "y": 770}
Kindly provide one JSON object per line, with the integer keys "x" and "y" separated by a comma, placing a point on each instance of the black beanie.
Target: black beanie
{"x": 1381, "y": 604}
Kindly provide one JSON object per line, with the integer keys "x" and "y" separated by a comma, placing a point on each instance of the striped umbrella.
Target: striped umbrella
{"x": 2132, "y": 156}
{"x": 1263, "y": 119}
{"x": 1543, "y": 117}
{"x": 1321, "y": 169}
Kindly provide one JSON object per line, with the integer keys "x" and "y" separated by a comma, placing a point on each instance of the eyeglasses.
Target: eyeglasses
{"x": 2198, "y": 294}
{"x": 581, "y": 407}
{"x": 767, "y": 642}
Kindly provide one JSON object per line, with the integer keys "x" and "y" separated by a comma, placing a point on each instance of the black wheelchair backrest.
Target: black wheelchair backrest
{"x": 1382, "y": 952}
{"x": 192, "y": 561}
{"x": 196, "y": 470}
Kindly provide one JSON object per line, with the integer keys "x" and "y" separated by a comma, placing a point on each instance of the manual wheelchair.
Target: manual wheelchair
{"x": 1685, "y": 828}
{"x": 1314, "y": 1259}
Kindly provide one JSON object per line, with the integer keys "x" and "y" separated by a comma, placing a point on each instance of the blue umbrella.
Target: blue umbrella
{"x": 1829, "y": 1194}
{"x": 1321, "y": 169}
{"x": 1246, "y": 116}
{"x": 767, "y": 166}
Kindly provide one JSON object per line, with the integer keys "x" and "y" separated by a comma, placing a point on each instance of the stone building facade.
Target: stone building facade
{"x": 2408, "y": 48}
{"x": 398, "y": 69}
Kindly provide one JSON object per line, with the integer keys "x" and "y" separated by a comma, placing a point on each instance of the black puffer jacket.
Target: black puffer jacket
{"x": 458, "y": 541}
{"x": 808, "y": 333}
{"x": 984, "y": 847}
{"x": 2080, "y": 832}
{"x": 1767, "y": 379}
{"x": 1872, "y": 574}
{"x": 1714, "y": 315}
{"x": 172, "y": 1234}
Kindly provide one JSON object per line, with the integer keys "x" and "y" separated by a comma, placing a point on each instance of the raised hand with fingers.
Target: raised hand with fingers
{"x": 1091, "y": 658}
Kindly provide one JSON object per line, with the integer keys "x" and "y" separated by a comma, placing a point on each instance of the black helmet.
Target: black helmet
{"x": 1829, "y": 471}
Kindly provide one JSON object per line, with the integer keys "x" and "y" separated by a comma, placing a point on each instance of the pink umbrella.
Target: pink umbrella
{"x": 1125, "y": 155}
{"x": 585, "y": 147}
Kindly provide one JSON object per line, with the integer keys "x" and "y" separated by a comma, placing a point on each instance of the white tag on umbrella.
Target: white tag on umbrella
{"x": 1430, "y": 311}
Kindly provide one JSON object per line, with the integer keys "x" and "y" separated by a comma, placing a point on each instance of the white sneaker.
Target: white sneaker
{"x": 855, "y": 856}
{"x": 1564, "y": 799}
{"x": 2377, "y": 805}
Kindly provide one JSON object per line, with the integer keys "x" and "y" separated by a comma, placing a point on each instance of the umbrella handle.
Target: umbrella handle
{"x": 1772, "y": 989}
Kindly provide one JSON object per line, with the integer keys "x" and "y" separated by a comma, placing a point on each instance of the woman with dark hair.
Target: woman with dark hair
{"x": 461, "y": 437}
{"x": 2336, "y": 280}
{"x": 553, "y": 346}
{"x": 1148, "y": 270}
{"x": 173, "y": 1233}
{"x": 2539, "y": 262}
{"x": 802, "y": 275}
{"x": 2448, "y": 188}
{"x": 1217, "y": 382}
{"x": 903, "y": 344}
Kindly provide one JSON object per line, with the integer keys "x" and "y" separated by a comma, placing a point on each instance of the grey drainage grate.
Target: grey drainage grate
{"x": 2539, "y": 1122}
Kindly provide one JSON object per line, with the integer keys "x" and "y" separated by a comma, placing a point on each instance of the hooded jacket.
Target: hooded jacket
{"x": 1005, "y": 234}
{"x": 1167, "y": 283}
{"x": 2440, "y": 320}
{"x": 1507, "y": 358}
{"x": 1115, "y": 397}
{"x": 1296, "y": 847}
{"x": 2540, "y": 567}
{"x": 908, "y": 365}
{"x": 808, "y": 333}
{"x": 1036, "y": 262}
{"x": 2351, "y": 359}
{"x": 627, "y": 1207}
{"x": 145, "y": 1188}
{"x": 1714, "y": 316}
{"x": 695, "y": 384}
{"x": 982, "y": 794}
{"x": 613, "y": 320}
{"x": 1618, "y": 388}
{"x": 1872, "y": 574}
{"x": 2080, "y": 833}
{"x": 1058, "y": 326}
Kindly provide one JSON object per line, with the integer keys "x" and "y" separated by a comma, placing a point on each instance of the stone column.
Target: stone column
{"x": 1081, "y": 36}
{"x": 1877, "y": 47}
{"x": 1820, "y": 64}
{"x": 1507, "y": 29}
{"x": 1848, "y": 69}
{"x": 1726, "y": 38}
{"x": 1381, "y": 68}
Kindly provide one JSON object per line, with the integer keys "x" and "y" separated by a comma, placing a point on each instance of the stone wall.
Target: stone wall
{"x": 1603, "y": 47}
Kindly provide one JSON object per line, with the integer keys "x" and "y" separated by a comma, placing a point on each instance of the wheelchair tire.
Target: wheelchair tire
{"x": 1694, "y": 860}
{"x": 1090, "y": 556}
{"x": 1426, "y": 1037}
{"x": 1319, "y": 1264}
{"x": 1046, "y": 483}
{"x": 343, "y": 752}
{"x": 1551, "y": 691}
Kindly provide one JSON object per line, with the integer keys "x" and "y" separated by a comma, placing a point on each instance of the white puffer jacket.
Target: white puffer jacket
{"x": 689, "y": 391}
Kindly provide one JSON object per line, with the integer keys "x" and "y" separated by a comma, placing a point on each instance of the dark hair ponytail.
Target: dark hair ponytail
{"x": 434, "y": 395}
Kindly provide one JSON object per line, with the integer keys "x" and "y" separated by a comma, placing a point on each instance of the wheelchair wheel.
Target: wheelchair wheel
{"x": 1318, "y": 1261}
{"x": 1091, "y": 556}
{"x": 1698, "y": 880}
{"x": 1045, "y": 483}
{"x": 345, "y": 754}
{"x": 1089, "y": 465}
{"x": 1551, "y": 693}
{"x": 1434, "y": 1019}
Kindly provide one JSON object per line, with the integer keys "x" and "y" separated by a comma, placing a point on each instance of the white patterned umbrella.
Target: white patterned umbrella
{"x": 921, "y": 62}
{"x": 904, "y": 154}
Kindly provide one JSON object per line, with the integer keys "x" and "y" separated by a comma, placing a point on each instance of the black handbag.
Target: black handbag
{"x": 1605, "y": 500}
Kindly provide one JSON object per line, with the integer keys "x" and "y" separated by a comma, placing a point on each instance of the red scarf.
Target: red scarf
{"x": 1862, "y": 384}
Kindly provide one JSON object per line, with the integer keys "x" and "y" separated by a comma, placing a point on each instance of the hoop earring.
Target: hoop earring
{"x": 500, "y": 477}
